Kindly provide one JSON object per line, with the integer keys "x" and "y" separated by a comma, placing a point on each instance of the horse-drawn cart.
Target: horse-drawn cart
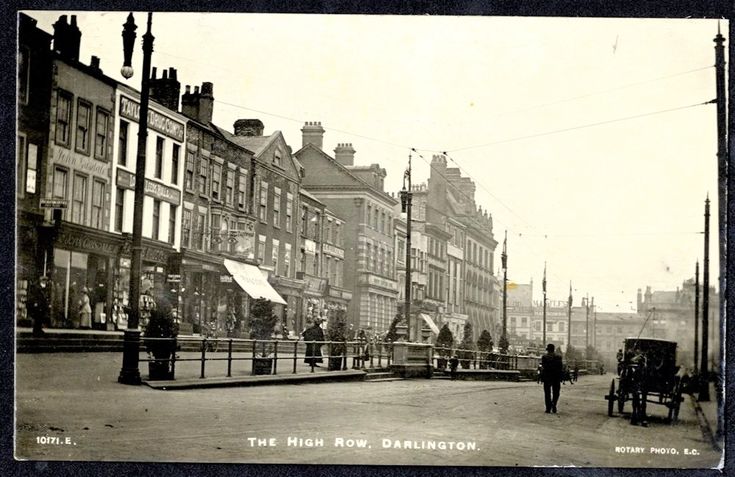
{"x": 647, "y": 373}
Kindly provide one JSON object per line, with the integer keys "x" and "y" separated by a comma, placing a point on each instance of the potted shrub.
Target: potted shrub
{"x": 443, "y": 346}
{"x": 467, "y": 347}
{"x": 262, "y": 324}
{"x": 160, "y": 339}
{"x": 337, "y": 333}
{"x": 485, "y": 347}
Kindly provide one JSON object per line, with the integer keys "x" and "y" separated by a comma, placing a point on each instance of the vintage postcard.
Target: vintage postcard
{"x": 370, "y": 239}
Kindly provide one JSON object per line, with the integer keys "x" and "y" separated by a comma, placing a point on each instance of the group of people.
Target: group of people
{"x": 38, "y": 304}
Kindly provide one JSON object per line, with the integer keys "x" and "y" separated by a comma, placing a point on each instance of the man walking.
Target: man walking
{"x": 38, "y": 305}
{"x": 551, "y": 374}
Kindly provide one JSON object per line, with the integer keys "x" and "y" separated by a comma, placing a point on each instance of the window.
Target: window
{"x": 375, "y": 218}
{"x": 328, "y": 231}
{"x": 263, "y": 211}
{"x": 216, "y": 180}
{"x": 215, "y": 236}
{"x": 171, "y": 223}
{"x": 337, "y": 237}
{"x": 199, "y": 236}
{"x": 316, "y": 264}
{"x": 98, "y": 199}
{"x": 304, "y": 220}
{"x": 382, "y": 222}
{"x": 123, "y": 143}
{"x": 158, "y": 173}
{"x": 83, "y": 123}
{"x": 274, "y": 255}
{"x": 156, "y": 218}
{"x": 61, "y": 183}
{"x": 277, "y": 157}
{"x": 63, "y": 118}
{"x": 203, "y": 175}
{"x": 524, "y": 321}
{"x": 100, "y": 134}
{"x": 78, "y": 208}
{"x": 277, "y": 207}
{"x": 261, "y": 248}
{"x": 230, "y": 186}
{"x": 186, "y": 228}
{"x": 287, "y": 260}
{"x": 561, "y": 326}
{"x": 289, "y": 212}
{"x": 369, "y": 215}
{"x": 175, "y": 164}
{"x": 317, "y": 221}
{"x": 242, "y": 190}
{"x": 119, "y": 209}
{"x": 189, "y": 173}
{"x": 327, "y": 265}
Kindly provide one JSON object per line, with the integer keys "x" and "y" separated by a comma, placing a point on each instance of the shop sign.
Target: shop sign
{"x": 154, "y": 255}
{"x": 334, "y": 251}
{"x": 79, "y": 242}
{"x": 377, "y": 281}
{"x": 156, "y": 121}
{"x": 309, "y": 246}
{"x": 315, "y": 284}
{"x": 173, "y": 278}
{"x": 54, "y": 203}
{"x": 126, "y": 180}
{"x": 342, "y": 294}
{"x": 225, "y": 278}
{"x": 79, "y": 162}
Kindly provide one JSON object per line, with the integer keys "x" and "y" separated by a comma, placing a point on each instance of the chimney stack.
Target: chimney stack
{"x": 94, "y": 63}
{"x": 312, "y": 133}
{"x": 67, "y": 38}
{"x": 344, "y": 153}
{"x": 248, "y": 127}
{"x": 197, "y": 105}
{"x": 165, "y": 90}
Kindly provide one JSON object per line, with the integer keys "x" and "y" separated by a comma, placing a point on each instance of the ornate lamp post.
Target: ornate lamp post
{"x": 130, "y": 374}
{"x": 406, "y": 198}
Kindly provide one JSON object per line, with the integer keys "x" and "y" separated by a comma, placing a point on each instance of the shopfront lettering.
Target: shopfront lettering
{"x": 333, "y": 251}
{"x": 125, "y": 179}
{"x": 314, "y": 284}
{"x": 156, "y": 121}
{"x": 163, "y": 192}
{"x": 376, "y": 281}
{"x": 86, "y": 244}
{"x": 154, "y": 255}
{"x": 79, "y": 162}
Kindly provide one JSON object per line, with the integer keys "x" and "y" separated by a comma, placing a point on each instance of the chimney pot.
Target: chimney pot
{"x": 153, "y": 73}
{"x": 196, "y": 89}
{"x": 95, "y": 62}
{"x": 74, "y": 20}
{"x": 172, "y": 73}
{"x": 165, "y": 74}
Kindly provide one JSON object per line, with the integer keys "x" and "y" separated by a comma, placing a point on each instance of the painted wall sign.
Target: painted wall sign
{"x": 332, "y": 250}
{"x": 74, "y": 241}
{"x": 158, "y": 122}
{"x": 80, "y": 162}
{"x": 126, "y": 180}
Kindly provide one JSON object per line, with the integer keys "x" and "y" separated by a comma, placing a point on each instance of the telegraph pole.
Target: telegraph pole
{"x": 504, "y": 260}
{"x": 543, "y": 283}
{"x": 703, "y": 381}
{"x": 569, "y": 322}
{"x": 406, "y": 196}
{"x": 594, "y": 324}
{"x": 696, "y": 314}
{"x": 721, "y": 161}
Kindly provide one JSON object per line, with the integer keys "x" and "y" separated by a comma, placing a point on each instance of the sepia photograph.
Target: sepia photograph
{"x": 374, "y": 240}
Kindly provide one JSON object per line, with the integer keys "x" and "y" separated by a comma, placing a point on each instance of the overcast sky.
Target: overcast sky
{"x": 516, "y": 102}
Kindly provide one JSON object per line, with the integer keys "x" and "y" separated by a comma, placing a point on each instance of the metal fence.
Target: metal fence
{"x": 474, "y": 359}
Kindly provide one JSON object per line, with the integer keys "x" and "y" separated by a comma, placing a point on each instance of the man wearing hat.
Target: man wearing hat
{"x": 38, "y": 304}
{"x": 551, "y": 374}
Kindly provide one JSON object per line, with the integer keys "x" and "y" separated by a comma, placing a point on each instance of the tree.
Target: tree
{"x": 503, "y": 345}
{"x": 467, "y": 346}
{"x": 444, "y": 342}
{"x": 161, "y": 345}
{"x": 262, "y": 321}
{"x": 337, "y": 332}
{"x": 392, "y": 334}
{"x": 485, "y": 346}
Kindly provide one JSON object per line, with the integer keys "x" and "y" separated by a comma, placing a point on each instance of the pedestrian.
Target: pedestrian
{"x": 551, "y": 375}
{"x": 314, "y": 350}
{"x": 453, "y": 364}
{"x": 619, "y": 357}
{"x": 85, "y": 310}
{"x": 38, "y": 304}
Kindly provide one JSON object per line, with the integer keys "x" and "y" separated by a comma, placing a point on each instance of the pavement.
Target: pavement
{"x": 70, "y": 407}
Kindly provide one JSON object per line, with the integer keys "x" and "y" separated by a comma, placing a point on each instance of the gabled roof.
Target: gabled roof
{"x": 345, "y": 171}
{"x": 257, "y": 144}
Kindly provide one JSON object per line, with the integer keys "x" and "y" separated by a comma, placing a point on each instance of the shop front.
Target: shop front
{"x": 314, "y": 305}
{"x": 290, "y": 313}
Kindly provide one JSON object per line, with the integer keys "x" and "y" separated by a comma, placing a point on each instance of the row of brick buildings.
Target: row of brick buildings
{"x": 228, "y": 214}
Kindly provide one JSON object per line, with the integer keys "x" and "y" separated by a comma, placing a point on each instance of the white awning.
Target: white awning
{"x": 430, "y": 322}
{"x": 250, "y": 279}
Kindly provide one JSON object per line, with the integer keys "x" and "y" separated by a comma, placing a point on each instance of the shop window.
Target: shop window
{"x": 289, "y": 212}
{"x": 83, "y": 125}
{"x": 277, "y": 207}
{"x": 216, "y": 180}
{"x": 119, "y": 209}
{"x": 123, "y": 144}
{"x": 158, "y": 172}
{"x": 100, "y": 134}
{"x": 79, "y": 200}
{"x": 263, "y": 211}
{"x": 98, "y": 200}
{"x": 175, "y": 164}
{"x": 63, "y": 118}
{"x": 156, "y": 221}
{"x": 171, "y": 223}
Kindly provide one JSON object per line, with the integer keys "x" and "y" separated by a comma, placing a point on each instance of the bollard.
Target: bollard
{"x": 344, "y": 357}
{"x": 204, "y": 356}
{"x": 229, "y": 359}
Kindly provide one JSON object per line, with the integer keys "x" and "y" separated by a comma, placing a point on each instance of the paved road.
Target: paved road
{"x": 467, "y": 423}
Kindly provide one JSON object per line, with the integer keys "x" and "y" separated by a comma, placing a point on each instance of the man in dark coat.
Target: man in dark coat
{"x": 313, "y": 350}
{"x": 38, "y": 305}
{"x": 551, "y": 374}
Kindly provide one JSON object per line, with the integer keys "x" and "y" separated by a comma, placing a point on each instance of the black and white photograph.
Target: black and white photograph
{"x": 375, "y": 240}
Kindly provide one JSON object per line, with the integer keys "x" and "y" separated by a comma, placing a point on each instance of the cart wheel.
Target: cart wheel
{"x": 611, "y": 399}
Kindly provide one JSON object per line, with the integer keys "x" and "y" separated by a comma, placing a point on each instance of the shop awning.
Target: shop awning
{"x": 430, "y": 322}
{"x": 250, "y": 279}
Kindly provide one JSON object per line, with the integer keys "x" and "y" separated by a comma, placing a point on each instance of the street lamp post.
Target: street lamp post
{"x": 130, "y": 374}
{"x": 569, "y": 322}
{"x": 406, "y": 198}
{"x": 703, "y": 372}
{"x": 543, "y": 325}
